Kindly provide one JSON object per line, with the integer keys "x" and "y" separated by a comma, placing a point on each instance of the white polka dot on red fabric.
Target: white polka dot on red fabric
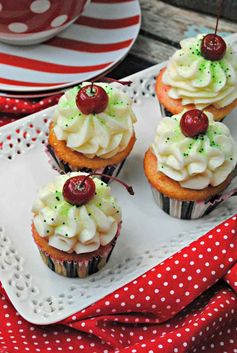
{"x": 177, "y": 289}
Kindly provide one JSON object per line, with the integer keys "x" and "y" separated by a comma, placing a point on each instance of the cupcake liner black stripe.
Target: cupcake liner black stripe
{"x": 166, "y": 203}
{"x": 108, "y": 257}
{"x": 51, "y": 151}
{"x": 109, "y": 170}
{"x": 120, "y": 166}
{"x": 187, "y": 209}
{"x": 93, "y": 265}
{"x": 51, "y": 264}
{"x": 86, "y": 170}
{"x": 71, "y": 268}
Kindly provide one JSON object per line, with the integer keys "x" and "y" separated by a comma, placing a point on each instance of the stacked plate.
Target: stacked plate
{"x": 89, "y": 48}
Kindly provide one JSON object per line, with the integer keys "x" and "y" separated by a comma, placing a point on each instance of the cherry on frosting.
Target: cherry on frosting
{"x": 213, "y": 47}
{"x": 193, "y": 123}
{"x": 92, "y": 99}
{"x": 78, "y": 191}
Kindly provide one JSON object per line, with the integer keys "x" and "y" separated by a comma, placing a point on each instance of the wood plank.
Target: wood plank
{"x": 152, "y": 50}
{"x": 209, "y": 6}
{"x": 168, "y": 23}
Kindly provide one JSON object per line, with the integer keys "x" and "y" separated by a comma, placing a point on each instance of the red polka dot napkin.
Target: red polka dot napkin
{"x": 188, "y": 303}
{"x": 12, "y": 109}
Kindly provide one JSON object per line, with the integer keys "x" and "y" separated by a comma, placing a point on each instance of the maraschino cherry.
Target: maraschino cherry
{"x": 92, "y": 99}
{"x": 213, "y": 47}
{"x": 193, "y": 123}
{"x": 80, "y": 189}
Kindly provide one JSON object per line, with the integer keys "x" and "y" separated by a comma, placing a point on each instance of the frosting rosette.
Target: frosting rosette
{"x": 199, "y": 81}
{"x": 71, "y": 228}
{"x": 195, "y": 162}
{"x": 95, "y": 135}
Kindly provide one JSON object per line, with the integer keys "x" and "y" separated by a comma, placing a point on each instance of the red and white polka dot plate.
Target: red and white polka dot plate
{"x": 148, "y": 235}
{"x": 92, "y": 45}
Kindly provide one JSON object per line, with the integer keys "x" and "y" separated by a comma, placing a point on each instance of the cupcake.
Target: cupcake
{"x": 92, "y": 129}
{"x": 76, "y": 222}
{"x": 202, "y": 75}
{"x": 190, "y": 164}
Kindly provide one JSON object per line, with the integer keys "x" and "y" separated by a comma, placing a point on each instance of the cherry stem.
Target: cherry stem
{"x": 92, "y": 83}
{"x": 218, "y": 15}
{"x": 108, "y": 79}
{"x": 128, "y": 187}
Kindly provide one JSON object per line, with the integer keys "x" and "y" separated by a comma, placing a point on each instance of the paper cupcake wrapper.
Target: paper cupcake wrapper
{"x": 164, "y": 112}
{"x": 79, "y": 268}
{"x": 64, "y": 167}
{"x": 192, "y": 209}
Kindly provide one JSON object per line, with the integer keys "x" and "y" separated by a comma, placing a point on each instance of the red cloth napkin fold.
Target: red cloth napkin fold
{"x": 12, "y": 109}
{"x": 188, "y": 303}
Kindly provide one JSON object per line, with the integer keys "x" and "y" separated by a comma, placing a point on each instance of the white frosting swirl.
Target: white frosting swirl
{"x": 76, "y": 229}
{"x": 198, "y": 81}
{"x": 102, "y": 135}
{"x": 195, "y": 162}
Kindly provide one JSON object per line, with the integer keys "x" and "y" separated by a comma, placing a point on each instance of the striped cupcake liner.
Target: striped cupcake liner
{"x": 191, "y": 209}
{"x": 80, "y": 268}
{"x": 164, "y": 111}
{"x": 64, "y": 167}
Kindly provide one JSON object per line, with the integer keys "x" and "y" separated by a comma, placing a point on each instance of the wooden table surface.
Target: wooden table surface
{"x": 163, "y": 26}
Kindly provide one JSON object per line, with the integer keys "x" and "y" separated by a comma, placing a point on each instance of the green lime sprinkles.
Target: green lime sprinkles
{"x": 205, "y": 66}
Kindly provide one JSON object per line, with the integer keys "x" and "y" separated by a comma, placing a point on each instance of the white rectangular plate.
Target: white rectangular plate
{"x": 148, "y": 234}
